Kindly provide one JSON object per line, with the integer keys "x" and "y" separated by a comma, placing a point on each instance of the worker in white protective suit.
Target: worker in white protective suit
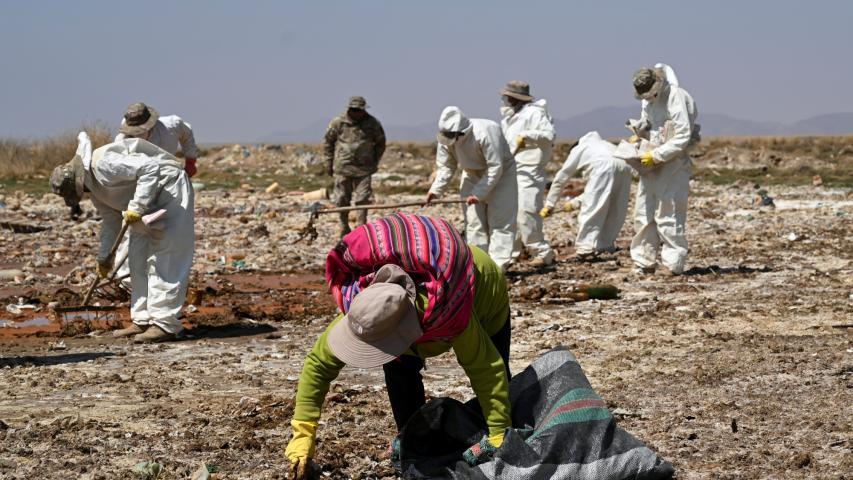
{"x": 604, "y": 203}
{"x": 169, "y": 132}
{"x": 128, "y": 180}
{"x": 668, "y": 121}
{"x": 529, "y": 132}
{"x": 488, "y": 184}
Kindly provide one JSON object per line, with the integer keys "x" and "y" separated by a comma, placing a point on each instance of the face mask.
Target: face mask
{"x": 445, "y": 140}
{"x": 507, "y": 111}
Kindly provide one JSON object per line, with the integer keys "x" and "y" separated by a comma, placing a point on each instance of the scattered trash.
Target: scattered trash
{"x": 147, "y": 470}
{"x": 817, "y": 181}
{"x": 60, "y": 345}
{"x": 21, "y": 227}
{"x": 275, "y": 187}
{"x": 594, "y": 292}
{"x": 319, "y": 194}
{"x": 621, "y": 412}
{"x": 191, "y": 308}
{"x": 199, "y": 186}
{"x": 11, "y": 275}
{"x": 793, "y": 237}
{"x": 20, "y": 307}
{"x": 203, "y": 472}
{"x": 763, "y": 199}
{"x": 195, "y": 296}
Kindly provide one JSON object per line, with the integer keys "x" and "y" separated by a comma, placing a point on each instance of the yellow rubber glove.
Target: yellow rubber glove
{"x": 497, "y": 440}
{"x": 519, "y": 142}
{"x": 104, "y": 269}
{"x": 569, "y": 207}
{"x": 301, "y": 447}
{"x": 132, "y": 217}
{"x": 633, "y": 139}
{"x": 545, "y": 212}
{"x": 647, "y": 160}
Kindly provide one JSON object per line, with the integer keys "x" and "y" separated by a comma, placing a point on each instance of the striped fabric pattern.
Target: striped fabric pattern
{"x": 429, "y": 249}
{"x": 578, "y": 405}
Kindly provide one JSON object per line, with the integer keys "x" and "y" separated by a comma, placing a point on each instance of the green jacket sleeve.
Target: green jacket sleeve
{"x": 320, "y": 368}
{"x": 486, "y": 371}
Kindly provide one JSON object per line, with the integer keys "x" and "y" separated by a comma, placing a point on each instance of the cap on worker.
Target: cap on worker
{"x": 381, "y": 323}
{"x": 138, "y": 119}
{"x": 357, "y": 102}
{"x": 647, "y": 83}
{"x": 67, "y": 181}
{"x": 518, "y": 90}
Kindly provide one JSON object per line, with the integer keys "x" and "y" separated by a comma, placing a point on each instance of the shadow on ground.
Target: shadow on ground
{"x": 718, "y": 270}
{"x": 229, "y": 330}
{"x": 50, "y": 360}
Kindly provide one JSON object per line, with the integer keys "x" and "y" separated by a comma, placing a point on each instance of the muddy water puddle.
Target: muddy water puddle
{"x": 32, "y": 322}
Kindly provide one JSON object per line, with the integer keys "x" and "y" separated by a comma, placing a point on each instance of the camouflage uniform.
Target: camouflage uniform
{"x": 354, "y": 148}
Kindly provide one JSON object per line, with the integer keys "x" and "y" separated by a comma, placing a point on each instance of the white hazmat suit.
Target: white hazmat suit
{"x": 169, "y": 133}
{"x": 133, "y": 174}
{"x": 661, "y": 208}
{"x": 532, "y": 123}
{"x": 604, "y": 203}
{"x": 488, "y": 173}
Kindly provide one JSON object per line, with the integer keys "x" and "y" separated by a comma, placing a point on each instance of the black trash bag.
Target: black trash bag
{"x": 564, "y": 431}
{"x": 436, "y": 436}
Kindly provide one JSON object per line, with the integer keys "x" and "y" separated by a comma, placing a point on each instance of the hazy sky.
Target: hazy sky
{"x": 240, "y": 70}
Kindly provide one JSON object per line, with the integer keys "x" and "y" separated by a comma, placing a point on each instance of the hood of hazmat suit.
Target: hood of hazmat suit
{"x": 453, "y": 120}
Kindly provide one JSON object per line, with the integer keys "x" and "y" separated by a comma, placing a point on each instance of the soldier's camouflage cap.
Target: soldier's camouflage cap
{"x": 67, "y": 181}
{"x": 357, "y": 102}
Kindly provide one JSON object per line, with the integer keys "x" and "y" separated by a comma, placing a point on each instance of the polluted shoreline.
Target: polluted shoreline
{"x": 706, "y": 369}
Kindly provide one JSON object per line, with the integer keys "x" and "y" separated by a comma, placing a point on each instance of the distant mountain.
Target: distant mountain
{"x": 609, "y": 122}
{"x": 828, "y": 124}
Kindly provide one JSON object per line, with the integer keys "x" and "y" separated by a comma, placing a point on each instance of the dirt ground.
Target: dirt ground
{"x": 740, "y": 368}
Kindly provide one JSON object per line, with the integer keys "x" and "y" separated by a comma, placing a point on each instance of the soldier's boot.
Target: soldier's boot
{"x": 362, "y": 217}
{"x": 344, "y": 223}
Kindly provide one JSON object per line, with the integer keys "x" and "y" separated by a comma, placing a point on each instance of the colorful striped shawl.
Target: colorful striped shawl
{"x": 429, "y": 249}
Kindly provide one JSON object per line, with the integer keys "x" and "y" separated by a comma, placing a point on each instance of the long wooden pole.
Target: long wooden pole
{"x": 384, "y": 206}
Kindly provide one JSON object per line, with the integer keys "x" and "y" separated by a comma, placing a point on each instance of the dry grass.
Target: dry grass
{"x": 27, "y": 158}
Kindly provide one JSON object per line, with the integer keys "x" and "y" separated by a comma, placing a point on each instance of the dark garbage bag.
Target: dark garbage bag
{"x": 561, "y": 430}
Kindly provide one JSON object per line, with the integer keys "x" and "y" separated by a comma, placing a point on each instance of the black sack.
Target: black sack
{"x": 565, "y": 431}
